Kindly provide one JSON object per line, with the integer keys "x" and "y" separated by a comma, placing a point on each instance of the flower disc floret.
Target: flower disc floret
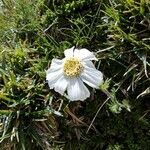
{"x": 72, "y": 67}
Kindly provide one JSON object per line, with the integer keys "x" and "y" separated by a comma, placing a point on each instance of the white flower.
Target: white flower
{"x": 69, "y": 74}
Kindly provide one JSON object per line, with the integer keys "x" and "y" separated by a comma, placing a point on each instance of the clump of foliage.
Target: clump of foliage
{"x": 115, "y": 117}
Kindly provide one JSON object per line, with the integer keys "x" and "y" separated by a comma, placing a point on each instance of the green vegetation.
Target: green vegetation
{"x": 116, "y": 117}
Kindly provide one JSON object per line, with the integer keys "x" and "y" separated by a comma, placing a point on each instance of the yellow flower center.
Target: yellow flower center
{"x": 72, "y": 67}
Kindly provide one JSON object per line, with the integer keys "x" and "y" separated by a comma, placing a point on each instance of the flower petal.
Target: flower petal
{"x": 56, "y": 64}
{"x": 54, "y": 72}
{"x": 84, "y": 54}
{"x": 88, "y": 63}
{"x": 53, "y": 77}
{"x": 69, "y": 52}
{"x": 61, "y": 85}
{"x": 92, "y": 76}
{"x": 77, "y": 90}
